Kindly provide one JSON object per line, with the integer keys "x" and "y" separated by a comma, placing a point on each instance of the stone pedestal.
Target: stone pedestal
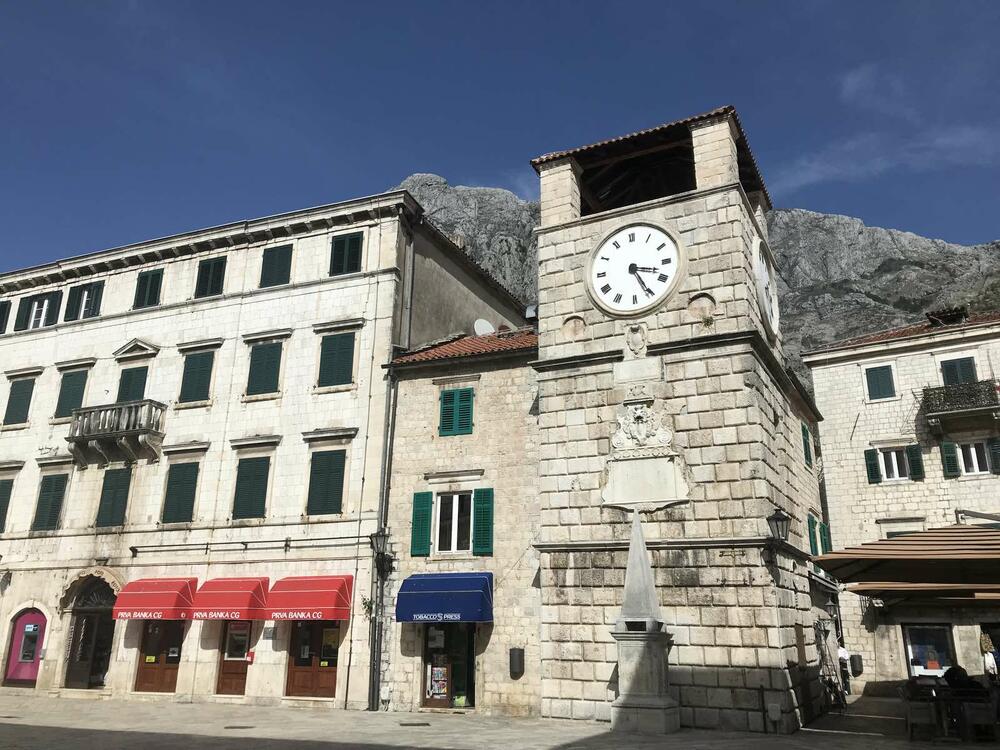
{"x": 643, "y": 704}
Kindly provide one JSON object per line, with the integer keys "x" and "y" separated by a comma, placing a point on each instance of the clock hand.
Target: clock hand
{"x": 646, "y": 289}
{"x": 647, "y": 269}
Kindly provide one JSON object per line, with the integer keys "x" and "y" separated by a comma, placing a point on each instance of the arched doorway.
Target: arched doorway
{"x": 27, "y": 634}
{"x": 91, "y": 634}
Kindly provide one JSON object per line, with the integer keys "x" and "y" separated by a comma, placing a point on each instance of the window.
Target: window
{"x": 336, "y": 360}
{"x": 71, "y": 391}
{"x": 38, "y": 311}
{"x": 132, "y": 384}
{"x": 6, "y": 487}
{"x": 50, "y": 501}
{"x": 326, "y": 482}
{"x": 880, "y": 382}
{"x": 894, "y": 463}
{"x": 84, "y": 301}
{"x": 196, "y": 383}
{"x": 19, "y": 401}
{"x": 972, "y": 458}
{"x": 211, "y": 276}
{"x": 114, "y": 497}
{"x": 251, "y": 487}
{"x": 456, "y": 412}
{"x": 276, "y": 266}
{"x": 182, "y": 485}
{"x": 929, "y": 649}
{"x": 4, "y": 315}
{"x": 345, "y": 254}
{"x": 265, "y": 367}
{"x": 453, "y": 522}
{"x": 958, "y": 371}
{"x": 807, "y": 447}
{"x": 147, "y": 288}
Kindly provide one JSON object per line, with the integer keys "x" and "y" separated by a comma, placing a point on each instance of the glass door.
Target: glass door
{"x": 312, "y": 661}
{"x": 234, "y": 658}
{"x": 159, "y": 656}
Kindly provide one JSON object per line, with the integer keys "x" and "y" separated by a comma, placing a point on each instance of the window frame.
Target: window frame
{"x": 981, "y": 470}
{"x": 346, "y": 236}
{"x": 895, "y": 451}
{"x": 941, "y": 357}
{"x": 27, "y": 410}
{"x": 148, "y": 273}
{"x": 263, "y": 265}
{"x": 907, "y": 645}
{"x": 897, "y": 393}
{"x": 38, "y": 308}
{"x": 251, "y": 346}
{"x": 204, "y": 264}
{"x": 62, "y": 382}
{"x": 436, "y": 522}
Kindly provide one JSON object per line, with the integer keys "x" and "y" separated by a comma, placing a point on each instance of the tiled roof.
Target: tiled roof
{"x": 460, "y": 346}
{"x": 923, "y": 328}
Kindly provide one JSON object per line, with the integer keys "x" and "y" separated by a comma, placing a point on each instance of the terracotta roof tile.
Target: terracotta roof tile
{"x": 923, "y": 328}
{"x": 472, "y": 346}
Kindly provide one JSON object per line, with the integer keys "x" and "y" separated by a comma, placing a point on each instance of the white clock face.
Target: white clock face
{"x": 767, "y": 290}
{"x": 634, "y": 270}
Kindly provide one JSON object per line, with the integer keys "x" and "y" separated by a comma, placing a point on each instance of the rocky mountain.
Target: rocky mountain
{"x": 839, "y": 277}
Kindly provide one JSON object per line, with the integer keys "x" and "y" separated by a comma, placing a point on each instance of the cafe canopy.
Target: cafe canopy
{"x": 959, "y": 563}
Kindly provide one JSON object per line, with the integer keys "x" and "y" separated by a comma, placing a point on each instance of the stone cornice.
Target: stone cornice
{"x": 236, "y": 234}
{"x": 577, "y": 360}
{"x": 255, "y": 441}
{"x": 350, "y": 324}
{"x": 330, "y": 433}
{"x": 614, "y": 545}
{"x": 195, "y": 446}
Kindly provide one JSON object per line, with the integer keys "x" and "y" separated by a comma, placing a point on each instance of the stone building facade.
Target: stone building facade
{"x": 211, "y": 408}
{"x": 498, "y": 452}
{"x": 705, "y": 364}
{"x": 910, "y": 441}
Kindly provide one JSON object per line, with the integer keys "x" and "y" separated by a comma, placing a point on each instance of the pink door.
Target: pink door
{"x": 25, "y": 651}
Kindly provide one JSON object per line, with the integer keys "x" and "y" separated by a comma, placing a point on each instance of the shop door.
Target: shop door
{"x": 234, "y": 659}
{"x": 24, "y": 654}
{"x": 449, "y": 666}
{"x": 159, "y": 656}
{"x": 90, "y": 650}
{"x": 312, "y": 662}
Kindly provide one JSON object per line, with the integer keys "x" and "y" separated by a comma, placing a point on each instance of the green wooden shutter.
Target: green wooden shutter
{"x": 132, "y": 384}
{"x": 880, "y": 384}
{"x": 52, "y": 311}
{"x": 71, "y": 393}
{"x": 182, "y": 484}
{"x": 251, "y": 487}
{"x": 73, "y": 302}
{"x": 420, "y": 532}
{"x": 807, "y": 445}
{"x": 824, "y": 538}
{"x": 993, "y": 447}
{"x": 446, "y": 423}
{"x": 114, "y": 497}
{"x": 211, "y": 277}
{"x": 482, "y": 522}
{"x": 326, "y": 483}
{"x": 197, "y": 379}
{"x": 950, "y": 372}
{"x": 50, "y": 499}
{"x": 967, "y": 370}
{"x": 19, "y": 401}
{"x": 463, "y": 411}
{"x": 872, "y": 467}
{"x": 949, "y": 461}
{"x": 336, "y": 360}
{"x": 6, "y": 486}
{"x": 813, "y": 547}
{"x": 915, "y": 462}
{"x": 147, "y": 288}
{"x": 345, "y": 254}
{"x": 93, "y": 306}
{"x": 23, "y": 314}
{"x": 265, "y": 367}
{"x": 276, "y": 266}
{"x": 4, "y": 315}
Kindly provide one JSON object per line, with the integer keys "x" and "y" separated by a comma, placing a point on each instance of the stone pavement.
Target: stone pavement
{"x": 29, "y": 721}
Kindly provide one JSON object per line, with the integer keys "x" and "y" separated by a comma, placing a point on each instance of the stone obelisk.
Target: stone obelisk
{"x": 643, "y": 704}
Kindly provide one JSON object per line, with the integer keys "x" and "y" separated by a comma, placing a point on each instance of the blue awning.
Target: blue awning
{"x": 446, "y": 597}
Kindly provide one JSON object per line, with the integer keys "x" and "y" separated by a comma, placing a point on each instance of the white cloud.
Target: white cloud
{"x": 869, "y": 87}
{"x": 874, "y": 153}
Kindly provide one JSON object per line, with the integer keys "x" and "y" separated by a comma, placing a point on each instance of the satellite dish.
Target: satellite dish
{"x": 483, "y": 327}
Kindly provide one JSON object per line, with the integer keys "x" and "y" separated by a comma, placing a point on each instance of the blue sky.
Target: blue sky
{"x": 125, "y": 121}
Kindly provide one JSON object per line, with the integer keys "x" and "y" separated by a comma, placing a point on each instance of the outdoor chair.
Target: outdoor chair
{"x": 918, "y": 713}
{"x": 979, "y": 711}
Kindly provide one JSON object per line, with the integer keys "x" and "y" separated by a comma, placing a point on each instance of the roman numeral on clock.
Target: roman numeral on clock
{"x": 631, "y": 236}
{"x": 662, "y": 277}
{"x": 618, "y": 298}
{"x": 606, "y": 288}
{"x": 601, "y": 274}
{"x": 615, "y": 243}
{"x": 635, "y": 299}
{"x": 665, "y": 262}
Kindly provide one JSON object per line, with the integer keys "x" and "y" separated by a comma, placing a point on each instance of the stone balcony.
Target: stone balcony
{"x": 117, "y": 432}
{"x": 962, "y": 407}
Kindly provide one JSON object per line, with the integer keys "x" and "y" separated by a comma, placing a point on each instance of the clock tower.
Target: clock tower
{"x": 663, "y": 389}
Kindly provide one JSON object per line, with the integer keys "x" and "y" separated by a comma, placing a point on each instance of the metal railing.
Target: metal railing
{"x": 947, "y": 399}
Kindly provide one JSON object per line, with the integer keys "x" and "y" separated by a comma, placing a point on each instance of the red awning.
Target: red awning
{"x": 156, "y": 599}
{"x": 230, "y": 599}
{"x": 310, "y": 598}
